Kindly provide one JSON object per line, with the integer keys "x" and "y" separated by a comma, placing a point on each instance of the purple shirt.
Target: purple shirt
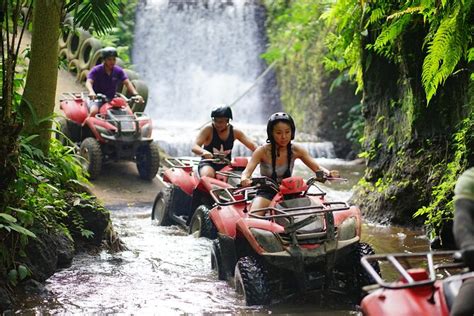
{"x": 104, "y": 83}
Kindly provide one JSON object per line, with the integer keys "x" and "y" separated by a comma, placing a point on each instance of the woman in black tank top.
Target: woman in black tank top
{"x": 218, "y": 138}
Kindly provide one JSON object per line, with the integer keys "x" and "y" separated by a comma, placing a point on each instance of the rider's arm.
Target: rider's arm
{"x": 251, "y": 165}
{"x": 310, "y": 162}
{"x": 131, "y": 88}
{"x": 202, "y": 138}
{"x": 89, "y": 83}
{"x": 244, "y": 139}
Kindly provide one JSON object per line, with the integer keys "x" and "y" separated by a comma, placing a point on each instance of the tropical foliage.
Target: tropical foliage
{"x": 448, "y": 43}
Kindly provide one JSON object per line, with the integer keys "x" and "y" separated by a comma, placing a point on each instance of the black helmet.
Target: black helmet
{"x": 108, "y": 52}
{"x": 279, "y": 117}
{"x": 222, "y": 111}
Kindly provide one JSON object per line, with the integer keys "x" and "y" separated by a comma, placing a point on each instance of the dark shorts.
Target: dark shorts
{"x": 215, "y": 166}
{"x": 267, "y": 194}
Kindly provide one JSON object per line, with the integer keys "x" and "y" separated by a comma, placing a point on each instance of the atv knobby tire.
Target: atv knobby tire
{"x": 162, "y": 206}
{"x": 251, "y": 281}
{"x": 363, "y": 278}
{"x": 216, "y": 260}
{"x": 358, "y": 277}
{"x": 201, "y": 224}
{"x": 148, "y": 160}
{"x": 92, "y": 153}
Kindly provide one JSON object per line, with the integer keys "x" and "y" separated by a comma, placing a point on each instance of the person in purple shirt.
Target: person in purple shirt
{"x": 105, "y": 78}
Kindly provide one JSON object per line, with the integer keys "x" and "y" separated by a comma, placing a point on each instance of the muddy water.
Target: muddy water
{"x": 167, "y": 272}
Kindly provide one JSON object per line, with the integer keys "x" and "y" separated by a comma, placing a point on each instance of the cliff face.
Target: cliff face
{"x": 413, "y": 154}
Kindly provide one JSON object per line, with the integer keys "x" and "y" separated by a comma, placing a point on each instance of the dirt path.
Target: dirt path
{"x": 119, "y": 182}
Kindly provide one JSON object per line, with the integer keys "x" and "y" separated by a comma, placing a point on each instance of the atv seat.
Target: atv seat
{"x": 314, "y": 229}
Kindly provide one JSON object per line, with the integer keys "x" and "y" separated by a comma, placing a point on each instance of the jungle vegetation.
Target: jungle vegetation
{"x": 41, "y": 181}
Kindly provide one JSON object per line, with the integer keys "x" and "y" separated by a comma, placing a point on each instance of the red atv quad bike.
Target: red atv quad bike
{"x": 186, "y": 199}
{"x": 421, "y": 283}
{"x": 115, "y": 133}
{"x": 302, "y": 241}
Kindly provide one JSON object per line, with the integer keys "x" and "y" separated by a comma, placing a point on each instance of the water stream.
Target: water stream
{"x": 165, "y": 271}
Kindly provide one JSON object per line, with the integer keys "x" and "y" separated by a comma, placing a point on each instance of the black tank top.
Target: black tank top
{"x": 218, "y": 145}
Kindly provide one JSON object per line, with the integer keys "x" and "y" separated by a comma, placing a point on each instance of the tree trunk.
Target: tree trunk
{"x": 40, "y": 88}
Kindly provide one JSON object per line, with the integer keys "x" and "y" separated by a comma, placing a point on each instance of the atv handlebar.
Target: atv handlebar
{"x": 321, "y": 176}
{"x": 217, "y": 158}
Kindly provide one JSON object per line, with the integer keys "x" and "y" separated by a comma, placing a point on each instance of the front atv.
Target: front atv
{"x": 301, "y": 242}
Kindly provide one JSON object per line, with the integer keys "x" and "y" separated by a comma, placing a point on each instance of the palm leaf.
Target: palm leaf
{"x": 99, "y": 14}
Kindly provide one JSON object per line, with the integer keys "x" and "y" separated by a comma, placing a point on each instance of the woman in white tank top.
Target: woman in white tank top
{"x": 277, "y": 157}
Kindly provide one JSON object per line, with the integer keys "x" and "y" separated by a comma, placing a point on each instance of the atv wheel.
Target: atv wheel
{"x": 92, "y": 153}
{"x": 251, "y": 281}
{"x": 358, "y": 273}
{"x": 63, "y": 131}
{"x": 216, "y": 259}
{"x": 161, "y": 207}
{"x": 201, "y": 224}
{"x": 148, "y": 161}
{"x": 362, "y": 276}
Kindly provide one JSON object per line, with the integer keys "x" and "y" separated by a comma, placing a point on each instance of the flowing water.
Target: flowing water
{"x": 165, "y": 271}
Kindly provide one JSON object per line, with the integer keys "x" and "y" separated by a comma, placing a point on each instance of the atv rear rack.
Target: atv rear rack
{"x": 408, "y": 276}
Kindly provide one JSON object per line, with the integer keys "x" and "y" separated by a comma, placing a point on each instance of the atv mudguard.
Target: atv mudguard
{"x": 75, "y": 109}
{"x": 181, "y": 178}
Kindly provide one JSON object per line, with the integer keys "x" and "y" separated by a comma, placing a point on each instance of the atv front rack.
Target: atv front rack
{"x": 410, "y": 276}
{"x": 298, "y": 211}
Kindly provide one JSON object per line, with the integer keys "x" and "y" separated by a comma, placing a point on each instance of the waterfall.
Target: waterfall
{"x": 195, "y": 55}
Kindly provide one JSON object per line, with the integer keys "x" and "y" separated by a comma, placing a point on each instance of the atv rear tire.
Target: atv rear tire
{"x": 162, "y": 207}
{"x": 201, "y": 224}
{"x": 148, "y": 160}
{"x": 251, "y": 281}
{"x": 92, "y": 153}
{"x": 216, "y": 260}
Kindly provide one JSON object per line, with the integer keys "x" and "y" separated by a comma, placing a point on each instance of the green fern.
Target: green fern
{"x": 444, "y": 53}
{"x": 385, "y": 41}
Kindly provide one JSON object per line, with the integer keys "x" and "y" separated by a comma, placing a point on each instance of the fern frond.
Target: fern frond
{"x": 384, "y": 42}
{"x": 375, "y": 15}
{"x": 444, "y": 53}
{"x": 470, "y": 54}
{"x": 411, "y": 10}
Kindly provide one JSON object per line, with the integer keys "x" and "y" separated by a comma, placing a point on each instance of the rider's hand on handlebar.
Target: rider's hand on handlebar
{"x": 138, "y": 98}
{"x": 245, "y": 182}
{"x": 92, "y": 96}
{"x": 207, "y": 155}
{"x": 334, "y": 174}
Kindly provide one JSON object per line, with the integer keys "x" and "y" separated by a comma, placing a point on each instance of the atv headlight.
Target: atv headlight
{"x": 347, "y": 229}
{"x": 267, "y": 240}
{"x": 146, "y": 130}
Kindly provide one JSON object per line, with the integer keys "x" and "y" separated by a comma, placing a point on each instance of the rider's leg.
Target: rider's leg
{"x": 207, "y": 171}
{"x": 93, "y": 110}
{"x": 260, "y": 202}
